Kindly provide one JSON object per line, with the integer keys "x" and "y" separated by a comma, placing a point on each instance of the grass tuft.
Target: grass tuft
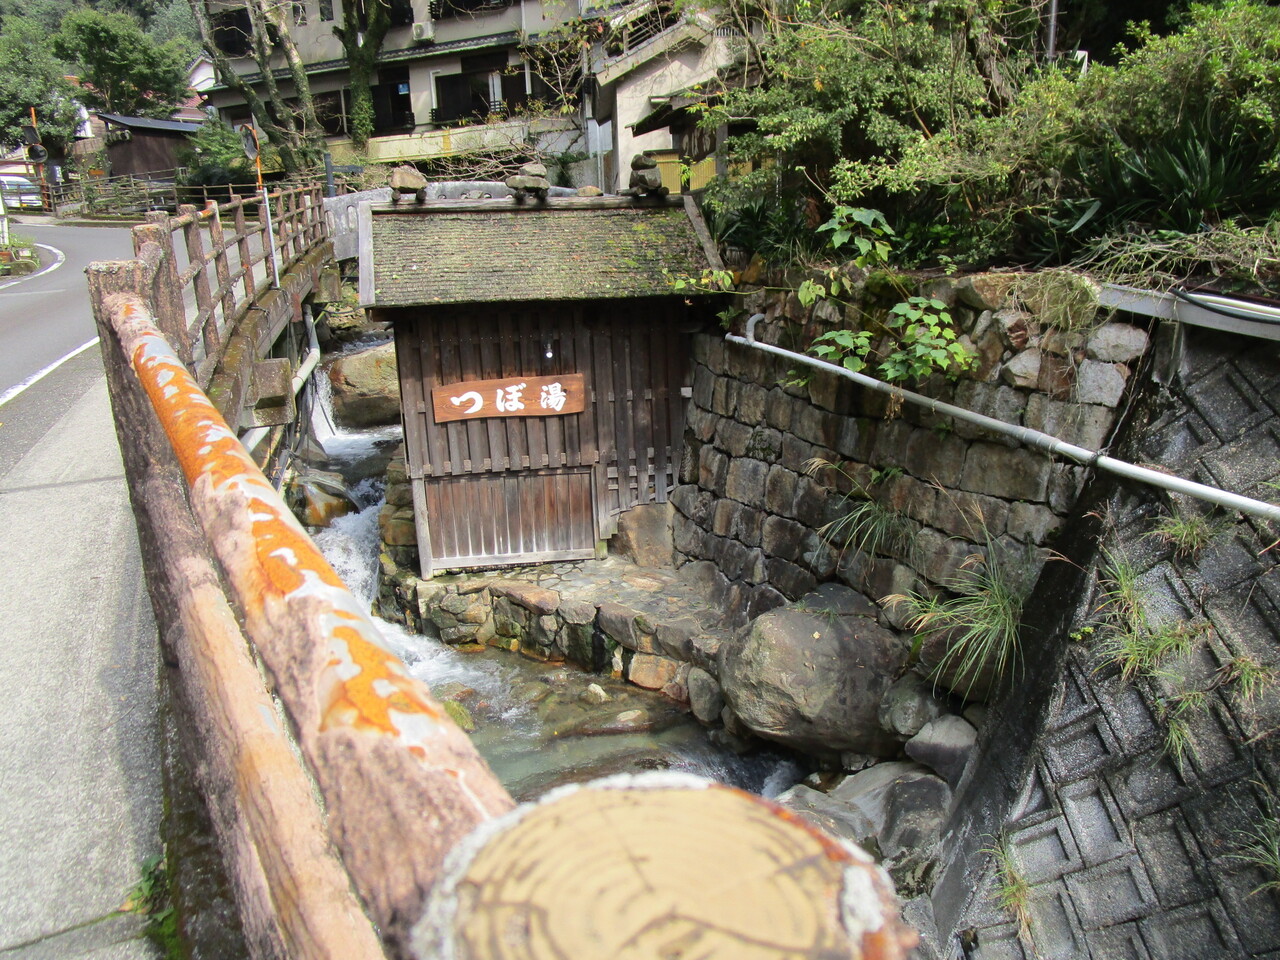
{"x": 1187, "y": 533}
{"x": 1261, "y": 845}
{"x": 982, "y": 619}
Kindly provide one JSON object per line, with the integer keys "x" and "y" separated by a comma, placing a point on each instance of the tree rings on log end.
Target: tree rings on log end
{"x": 659, "y": 866}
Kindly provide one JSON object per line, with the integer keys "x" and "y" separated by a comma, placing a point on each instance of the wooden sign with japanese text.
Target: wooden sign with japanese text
{"x": 510, "y": 397}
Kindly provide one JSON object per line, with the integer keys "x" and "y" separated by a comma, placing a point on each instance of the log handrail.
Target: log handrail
{"x": 373, "y": 736}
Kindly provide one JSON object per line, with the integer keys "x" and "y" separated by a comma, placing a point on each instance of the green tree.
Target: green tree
{"x": 121, "y": 69}
{"x": 175, "y": 23}
{"x": 290, "y": 123}
{"x": 364, "y": 28}
{"x": 31, "y": 76}
{"x": 215, "y": 155}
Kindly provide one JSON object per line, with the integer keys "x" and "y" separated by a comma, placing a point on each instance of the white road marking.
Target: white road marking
{"x": 59, "y": 258}
{"x": 41, "y": 374}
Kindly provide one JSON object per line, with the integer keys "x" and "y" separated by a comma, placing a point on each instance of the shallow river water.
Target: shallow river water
{"x": 538, "y": 725}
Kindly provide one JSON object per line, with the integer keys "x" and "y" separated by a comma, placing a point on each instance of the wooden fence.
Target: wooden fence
{"x": 131, "y": 196}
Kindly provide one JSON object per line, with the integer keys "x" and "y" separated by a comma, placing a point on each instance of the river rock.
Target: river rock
{"x": 908, "y": 705}
{"x": 320, "y": 497}
{"x": 836, "y": 818}
{"x": 813, "y": 681}
{"x": 366, "y": 390}
{"x": 945, "y": 745}
{"x": 652, "y": 672}
{"x": 705, "y": 699}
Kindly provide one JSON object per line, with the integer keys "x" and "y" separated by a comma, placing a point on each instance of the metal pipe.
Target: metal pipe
{"x": 1032, "y": 438}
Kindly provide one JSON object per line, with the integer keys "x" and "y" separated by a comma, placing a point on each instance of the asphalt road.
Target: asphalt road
{"x": 80, "y": 758}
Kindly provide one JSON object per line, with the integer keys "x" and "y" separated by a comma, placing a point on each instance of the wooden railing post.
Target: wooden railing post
{"x": 200, "y": 278}
{"x": 222, "y": 267}
{"x": 246, "y": 250}
{"x": 171, "y": 313}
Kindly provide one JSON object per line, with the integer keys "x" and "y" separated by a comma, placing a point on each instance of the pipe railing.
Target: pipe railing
{"x": 1032, "y": 438}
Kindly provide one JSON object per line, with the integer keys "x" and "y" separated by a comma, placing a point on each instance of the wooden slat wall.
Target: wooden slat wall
{"x": 634, "y": 359}
{"x": 488, "y": 518}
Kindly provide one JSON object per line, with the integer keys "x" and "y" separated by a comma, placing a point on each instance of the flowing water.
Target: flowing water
{"x": 538, "y": 725}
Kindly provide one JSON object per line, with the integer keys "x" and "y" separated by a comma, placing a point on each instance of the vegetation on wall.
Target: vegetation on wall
{"x": 947, "y": 117}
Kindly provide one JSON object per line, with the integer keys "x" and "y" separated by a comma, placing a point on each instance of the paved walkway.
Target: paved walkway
{"x": 80, "y": 760}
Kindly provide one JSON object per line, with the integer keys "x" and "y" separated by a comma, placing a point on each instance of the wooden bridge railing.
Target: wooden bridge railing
{"x": 357, "y": 820}
{"x": 231, "y": 261}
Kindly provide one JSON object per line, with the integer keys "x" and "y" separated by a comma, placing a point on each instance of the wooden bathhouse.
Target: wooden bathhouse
{"x": 543, "y": 363}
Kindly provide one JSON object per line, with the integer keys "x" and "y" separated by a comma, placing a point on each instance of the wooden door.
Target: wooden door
{"x": 487, "y": 519}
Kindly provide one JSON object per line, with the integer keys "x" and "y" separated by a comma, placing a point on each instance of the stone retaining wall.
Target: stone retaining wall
{"x": 751, "y": 503}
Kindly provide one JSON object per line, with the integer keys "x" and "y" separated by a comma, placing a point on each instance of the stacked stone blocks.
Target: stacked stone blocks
{"x": 752, "y": 502}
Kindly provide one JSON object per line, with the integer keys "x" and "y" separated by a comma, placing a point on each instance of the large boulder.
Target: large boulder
{"x": 811, "y": 676}
{"x": 366, "y": 388}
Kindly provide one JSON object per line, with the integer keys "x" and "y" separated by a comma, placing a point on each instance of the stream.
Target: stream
{"x": 538, "y": 725}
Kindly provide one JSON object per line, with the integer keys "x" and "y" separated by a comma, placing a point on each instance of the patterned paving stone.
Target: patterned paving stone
{"x": 1112, "y": 893}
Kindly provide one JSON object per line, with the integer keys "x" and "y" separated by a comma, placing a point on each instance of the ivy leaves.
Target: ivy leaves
{"x": 921, "y": 341}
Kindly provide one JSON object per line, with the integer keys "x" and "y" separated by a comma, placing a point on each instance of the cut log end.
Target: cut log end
{"x": 682, "y": 869}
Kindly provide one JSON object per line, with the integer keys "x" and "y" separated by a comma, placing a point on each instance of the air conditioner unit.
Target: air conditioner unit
{"x": 424, "y": 31}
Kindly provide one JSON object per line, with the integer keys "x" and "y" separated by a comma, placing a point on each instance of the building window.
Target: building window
{"x": 486, "y": 87}
{"x": 299, "y": 13}
{"x": 231, "y": 30}
{"x": 326, "y": 10}
{"x": 392, "y": 106}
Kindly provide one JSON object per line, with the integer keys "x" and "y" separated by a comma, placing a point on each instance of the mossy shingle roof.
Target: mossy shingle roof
{"x": 507, "y": 253}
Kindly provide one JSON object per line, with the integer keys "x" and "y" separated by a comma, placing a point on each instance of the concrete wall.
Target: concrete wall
{"x": 1129, "y": 845}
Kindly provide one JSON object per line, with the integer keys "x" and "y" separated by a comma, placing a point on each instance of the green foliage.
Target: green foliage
{"x": 215, "y": 155}
{"x": 1246, "y": 675}
{"x": 174, "y": 23}
{"x": 121, "y": 69}
{"x": 1141, "y": 652}
{"x": 981, "y": 619}
{"x": 31, "y": 76}
{"x": 764, "y": 224}
{"x": 1012, "y": 890}
{"x": 1260, "y": 845}
{"x": 152, "y": 897}
{"x": 941, "y": 116}
{"x": 921, "y": 342}
{"x": 864, "y": 524}
{"x": 1137, "y": 642}
{"x": 865, "y": 228}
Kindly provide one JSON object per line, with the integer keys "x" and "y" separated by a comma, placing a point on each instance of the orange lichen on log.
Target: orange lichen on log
{"x": 401, "y": 782}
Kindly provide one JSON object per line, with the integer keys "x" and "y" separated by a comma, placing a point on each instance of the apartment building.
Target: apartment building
{"x": 452, "y": 79}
